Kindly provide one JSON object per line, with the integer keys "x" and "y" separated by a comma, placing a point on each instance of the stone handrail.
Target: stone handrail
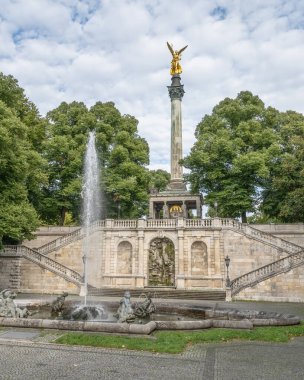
{"x": 44, "y": 261}
{"x": 59, "y": 242}
{"x": 265, "y": 237}
{"x": 190, "y": 223}
{"x": 160, "y": 223}
{"x": 124, "y": 223}
{"x": 69, "y": 238}
{"x": 267, "y": 271}
{"x": 222, "y": 223}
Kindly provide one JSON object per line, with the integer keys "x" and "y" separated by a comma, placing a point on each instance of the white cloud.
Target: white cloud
{"x": 115, "y": 50}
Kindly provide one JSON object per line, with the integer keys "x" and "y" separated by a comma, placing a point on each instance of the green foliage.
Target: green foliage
{"x": 123, "y": 156}
{"x": 22, "y": 168}
{"x": 174, "y": 342}
{"x": 159, "y": 179}
{"x": 229, "y": 160}
{"x": 283, "y": 196}
{"x": 18, "y": 217}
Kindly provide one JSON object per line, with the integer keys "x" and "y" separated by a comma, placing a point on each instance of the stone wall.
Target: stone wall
{"x": 35, "y": 279}
{"x": 247, "y": 254}
{"x": 120, "y": 250}
{"x": 291, "y": 232}
{"x": 48, "y": 234}
{"x": 10, "y": 272}
{"x": 286, "y": 287}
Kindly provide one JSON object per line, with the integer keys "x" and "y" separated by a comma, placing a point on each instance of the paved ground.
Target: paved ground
{"x": 251, "y": 361}
{"x": 24, "y": 354}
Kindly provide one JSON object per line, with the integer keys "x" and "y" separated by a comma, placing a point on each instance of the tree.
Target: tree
{"x": 283, "y": 196}
{"x": 126, "y": 178}
{"x": 159, "y": 179}
{"x": 22, "y": 167}
{"x": 18, "y": 217}
{"x": 229, "y": 160}
{"x": 123, "y": 156}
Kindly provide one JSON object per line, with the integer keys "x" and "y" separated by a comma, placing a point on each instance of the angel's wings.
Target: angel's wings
{"x": 170, "y": 47}
{"x": 181, "y": 50}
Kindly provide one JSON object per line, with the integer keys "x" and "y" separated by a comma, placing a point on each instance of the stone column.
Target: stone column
{"x": 165, "y": 210}
{"x": 140, "y": 236}
{"x": 180, "y": 267}
{"x": 176, "y": 92}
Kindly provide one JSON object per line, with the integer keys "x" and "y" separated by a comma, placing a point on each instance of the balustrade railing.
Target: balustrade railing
{"x": 263, "y": 273}
{"x": 125, "y": 223}
{"x": 192, "y": 223}
{"x": 224, "y": 223}
{"x": 271, "y": 239}
{"x": 44, "y": 261}
{"x": 161, "y": 223}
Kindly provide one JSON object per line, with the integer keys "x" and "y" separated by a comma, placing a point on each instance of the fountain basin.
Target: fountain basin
{"x": 194, "y": 318}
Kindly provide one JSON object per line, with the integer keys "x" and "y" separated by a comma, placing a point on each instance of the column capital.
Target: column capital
{"x": 176, "y": 90}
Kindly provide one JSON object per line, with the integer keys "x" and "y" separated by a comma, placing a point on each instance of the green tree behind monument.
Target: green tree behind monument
{"x": 123, "y": 156}
{"x": 21, "y": 165}
{"x": 283, "y": 195}
{"x": 229, "y": 160}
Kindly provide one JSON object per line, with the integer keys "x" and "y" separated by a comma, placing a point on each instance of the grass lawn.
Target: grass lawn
{"x": 174, "y": 342}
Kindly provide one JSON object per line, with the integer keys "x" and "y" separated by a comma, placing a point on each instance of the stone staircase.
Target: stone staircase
{"x": 263, "y": 237}
{"x": 267, "y": 271}
{"x": 43, "y": 261}
{"x": 159, "y": 293}
{"x": 294, "y": 258}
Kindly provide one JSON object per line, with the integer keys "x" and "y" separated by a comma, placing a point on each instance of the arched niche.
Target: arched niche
{"x": 199, "y": 258}
{"x": 161, "y": 262}
{"x": 124, "y": 258}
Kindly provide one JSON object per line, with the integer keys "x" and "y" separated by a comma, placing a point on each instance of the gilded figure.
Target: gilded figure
{"x": 176, "y": 57}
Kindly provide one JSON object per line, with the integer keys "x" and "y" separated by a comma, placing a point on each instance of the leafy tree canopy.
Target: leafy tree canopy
{"x": 123, "y": 157}
{"x": 229, "y": 160}
{"x": 159, "y": 179}
{"x": 283, "y": 196}
{"x": 18, "y": 216}
{"x": 22, "y": 168}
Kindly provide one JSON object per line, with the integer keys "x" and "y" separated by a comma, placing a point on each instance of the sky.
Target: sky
{"x": 115, "y": 50}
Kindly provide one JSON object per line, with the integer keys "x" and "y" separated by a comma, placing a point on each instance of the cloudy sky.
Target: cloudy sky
{"x": 115, "y": 50}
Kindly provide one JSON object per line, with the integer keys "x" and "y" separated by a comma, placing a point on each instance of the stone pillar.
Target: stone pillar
{"x": 180, "y": 267}
{"x": 185, "y": 210}
{"x": 151, "y": 209}
{"x": 199, "y": 209}
{"x": 140, "y": 279}
{"x": 176, "y": 92}
{"x": 165, "y": 210}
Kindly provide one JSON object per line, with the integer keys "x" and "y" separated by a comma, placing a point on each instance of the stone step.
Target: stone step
{"x": 212, "y": 295}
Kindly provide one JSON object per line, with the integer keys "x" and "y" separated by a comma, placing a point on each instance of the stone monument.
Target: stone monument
{"x": 175, "y": 201}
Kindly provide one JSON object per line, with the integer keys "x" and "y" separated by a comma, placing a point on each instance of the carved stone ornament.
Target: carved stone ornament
{"x": 176, "y": 92}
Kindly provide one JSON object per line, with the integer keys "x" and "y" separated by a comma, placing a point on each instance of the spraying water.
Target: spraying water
{"x": 91, "y": 195}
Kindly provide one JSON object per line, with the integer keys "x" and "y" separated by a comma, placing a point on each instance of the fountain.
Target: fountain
{"x": 91, "y": 196}
{"x": 129, "y": 318}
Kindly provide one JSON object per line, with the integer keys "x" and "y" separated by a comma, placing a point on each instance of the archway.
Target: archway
{"x": 161, "y": 262}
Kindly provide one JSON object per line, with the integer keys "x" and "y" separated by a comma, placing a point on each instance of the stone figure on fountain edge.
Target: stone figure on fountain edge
{"x": 8, "y": 308}
{"x": 125, "y": 312}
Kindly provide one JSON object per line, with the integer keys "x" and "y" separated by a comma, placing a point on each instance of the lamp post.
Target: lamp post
{"x": 227, "y": 262}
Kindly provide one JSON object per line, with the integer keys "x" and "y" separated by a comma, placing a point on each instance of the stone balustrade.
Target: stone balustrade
{"x": 44, "y": 261}
{"x": 263, "y": 273}
{"x": 167, "y": 224}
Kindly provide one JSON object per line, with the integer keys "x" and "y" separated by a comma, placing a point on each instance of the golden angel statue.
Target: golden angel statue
{"x": 177, "y": 56}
